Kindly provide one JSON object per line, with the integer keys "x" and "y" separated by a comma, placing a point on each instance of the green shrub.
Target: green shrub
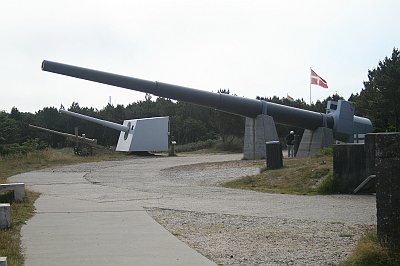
{"x": 18, "y": 149}
{"x": 234, "y": 144}
{"x": 194, "y": 146}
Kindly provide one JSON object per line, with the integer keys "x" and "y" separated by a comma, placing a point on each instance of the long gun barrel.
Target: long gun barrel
{"x": 228, "y": 103}
{"x": 68, "y": 136}
{"x": 105, "y": 123}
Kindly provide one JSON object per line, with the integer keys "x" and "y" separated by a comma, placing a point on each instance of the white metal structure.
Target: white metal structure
{"x": 145, "y": 134}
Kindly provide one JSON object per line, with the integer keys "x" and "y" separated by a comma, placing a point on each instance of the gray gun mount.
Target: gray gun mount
{"x": 146, "y": 134}
{"x": 343, "y": 123}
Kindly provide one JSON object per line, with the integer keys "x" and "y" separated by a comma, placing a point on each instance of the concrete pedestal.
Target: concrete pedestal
{"x": 314, "y": 140}
{"x": 3, "y": 261}
{"x": 387, "y": 167}
{"x": 19, "y": 191}
{"x": 274, "y": 155}
{"x": 257, "y": 132}
{"x": 4, "y": 215}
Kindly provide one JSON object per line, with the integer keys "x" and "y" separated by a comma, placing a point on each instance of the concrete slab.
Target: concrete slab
{"x": 79, "y": 222}
{"x": 109, "y": 237}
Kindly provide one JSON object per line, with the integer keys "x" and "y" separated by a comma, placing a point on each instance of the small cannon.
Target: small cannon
{"x": 83, "y": 146}
{"x": 145, "y": 134}
{"x": 339, "y": 123}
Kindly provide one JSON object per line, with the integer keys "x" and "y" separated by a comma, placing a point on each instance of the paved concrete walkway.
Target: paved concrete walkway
{"x": 78, "y": 222}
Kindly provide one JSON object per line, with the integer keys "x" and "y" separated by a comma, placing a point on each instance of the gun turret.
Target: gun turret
{"x": 83, "y": 146}
{"x": 146, "y": 134}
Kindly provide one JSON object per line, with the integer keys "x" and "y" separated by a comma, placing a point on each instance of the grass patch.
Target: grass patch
{"x": 10, "y": 243}
{"x": 308, "y": 176}
{"x": 327, "y": 151}
{"x": 19, "y": 163}
{"x": 369, "y": 252}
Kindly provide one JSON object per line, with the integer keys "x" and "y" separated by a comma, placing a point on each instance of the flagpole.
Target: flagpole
{"x": 310, "y": 86}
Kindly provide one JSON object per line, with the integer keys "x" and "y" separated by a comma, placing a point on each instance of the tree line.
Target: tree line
{"x": 189, "y": 123}
{"x": 378, "y": 101}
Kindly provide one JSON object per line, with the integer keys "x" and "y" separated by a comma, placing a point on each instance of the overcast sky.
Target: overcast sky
{"x": 253, "y": 48}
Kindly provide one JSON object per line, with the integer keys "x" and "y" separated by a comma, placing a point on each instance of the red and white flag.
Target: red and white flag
{"x": 317, "y": 80}
{"x": 289, "y": 98}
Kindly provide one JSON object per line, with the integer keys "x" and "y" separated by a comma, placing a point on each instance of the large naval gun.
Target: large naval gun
{"x": 339, "y": 123}
{"x": 83, "y": 146}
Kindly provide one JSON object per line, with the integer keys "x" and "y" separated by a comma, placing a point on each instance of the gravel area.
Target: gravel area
{"x": 210, "y": 174}
{"x": 249, "y": 240}
{"x": 235, "y": 227}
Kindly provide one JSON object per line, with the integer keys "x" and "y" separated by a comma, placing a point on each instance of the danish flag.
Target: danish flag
{"x": 317, "y": 80}
{"x": 289, "y": 98}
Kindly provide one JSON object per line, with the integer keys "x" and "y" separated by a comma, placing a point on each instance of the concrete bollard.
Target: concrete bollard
{"x": 274, "y": 154}
{"x": 172, "y": 150}
{"x": 17, "y": 188}
{"x": 4, "y": 215}
{"x": 3, "y": 261}
{"x": 387, "y": 167}
{"x": 19, "y": 191}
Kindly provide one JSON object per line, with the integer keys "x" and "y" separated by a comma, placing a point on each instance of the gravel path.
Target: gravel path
{"x": 233, "y": 227}
{"x": 248, "y": 240}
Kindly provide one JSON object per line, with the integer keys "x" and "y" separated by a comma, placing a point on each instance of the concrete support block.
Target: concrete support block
{"x": 257, "y": 132}
{"x": 4, "y": 215}
{"x": 349, "y": 169}
{"x": 18, "y": 188}
{"x": 387, "y": 166}
{"x": 3, "y": 261}
{"x": 314, "y": 140}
